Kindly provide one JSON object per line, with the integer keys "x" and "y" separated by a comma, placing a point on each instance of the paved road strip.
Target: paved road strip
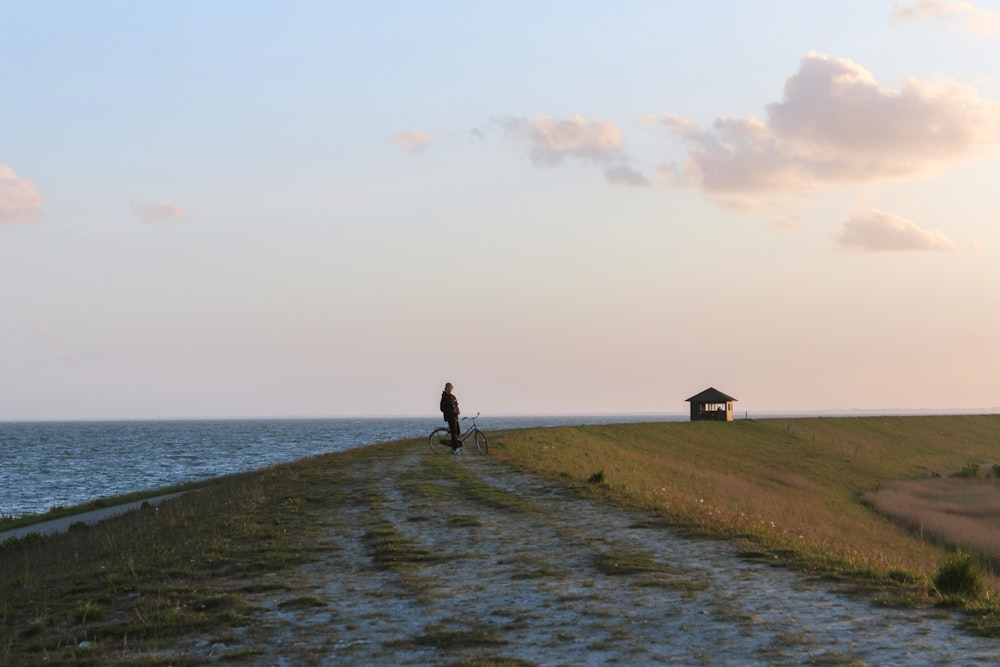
{"x": 62, "y": 524}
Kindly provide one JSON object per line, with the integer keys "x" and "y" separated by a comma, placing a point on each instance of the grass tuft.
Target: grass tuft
{"x": 87, "y": 611}
{"x": 389, "y": 550}
{"x": 617, "y": 563}
{"x": 960, "y": 577}
{"x": 968, "y": 471}
{"x": 304, "y": 602}
{"x": 451, "y": 639}
{"x": 494, "y": 661}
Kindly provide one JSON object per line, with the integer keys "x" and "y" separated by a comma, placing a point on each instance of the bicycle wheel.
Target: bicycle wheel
{"x": 481, "y": 442}
{"x": 437, "y": 439}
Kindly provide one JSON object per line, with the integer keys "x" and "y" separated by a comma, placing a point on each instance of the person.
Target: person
{"x": 449, "y": 408}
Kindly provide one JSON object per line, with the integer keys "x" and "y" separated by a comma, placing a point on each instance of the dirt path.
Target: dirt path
{"x": 436, "y": 560}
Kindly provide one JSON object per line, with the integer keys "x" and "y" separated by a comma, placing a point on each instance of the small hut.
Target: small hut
{"x": 711, "y": 405}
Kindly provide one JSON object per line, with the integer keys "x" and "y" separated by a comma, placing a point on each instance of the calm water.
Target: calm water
{"x": 60, "y": 464}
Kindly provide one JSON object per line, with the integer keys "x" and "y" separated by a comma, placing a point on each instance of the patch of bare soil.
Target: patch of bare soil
{"x": 957, "y": 511}
{"x": 440, "y": 560}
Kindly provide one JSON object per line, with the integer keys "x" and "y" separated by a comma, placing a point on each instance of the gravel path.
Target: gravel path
{"x": 511, "y": 568}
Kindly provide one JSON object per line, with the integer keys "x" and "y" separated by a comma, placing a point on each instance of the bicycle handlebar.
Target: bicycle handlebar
{"x": 475, "y": 416}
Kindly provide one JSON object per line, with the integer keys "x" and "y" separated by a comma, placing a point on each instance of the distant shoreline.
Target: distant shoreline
{"x": 603, "y": 416}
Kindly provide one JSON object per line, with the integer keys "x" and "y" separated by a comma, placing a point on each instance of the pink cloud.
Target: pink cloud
{"x": 788, "y": 223}
{"x": 965, "y": 15}
{"x": 19, "y": 201}
{"x": 411, "y": 141}
{"x": 835, "y": 125}
{"x": 158, "y": 212}
{"x": 878, "y": 231}
{"x": 549, "y": 141}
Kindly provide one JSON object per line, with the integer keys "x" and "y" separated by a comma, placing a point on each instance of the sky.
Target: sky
{"x": 238, "y": 209}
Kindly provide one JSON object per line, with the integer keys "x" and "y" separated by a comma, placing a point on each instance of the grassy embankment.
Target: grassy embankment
{"x": 794, "y": 490}
{"x": 133, "y": 583}
{"x": 791, "y": 490}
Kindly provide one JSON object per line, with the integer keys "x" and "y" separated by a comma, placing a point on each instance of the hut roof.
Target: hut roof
{"x": 711, "y": 395}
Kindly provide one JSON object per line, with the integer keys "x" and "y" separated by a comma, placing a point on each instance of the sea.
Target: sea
{"x": 47, "y": 465}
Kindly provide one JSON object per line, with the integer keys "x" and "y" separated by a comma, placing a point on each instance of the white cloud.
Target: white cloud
{"x": 19, "y": 201}
{"x": 158, "y": 212}
{"x": 836, "y": 125}
{"x": 878, "y": 231}
{"x": 411, "y": 141}
{"x": 966, "y": 16}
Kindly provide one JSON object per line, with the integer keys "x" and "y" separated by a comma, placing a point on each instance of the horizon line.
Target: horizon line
{"x": 763, "y": 414}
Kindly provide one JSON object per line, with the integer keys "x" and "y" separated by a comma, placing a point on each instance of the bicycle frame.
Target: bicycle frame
{"x": 468, "y": 432}
{"x": 440, "y": 438}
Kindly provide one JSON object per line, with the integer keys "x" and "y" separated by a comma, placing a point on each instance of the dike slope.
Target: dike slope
{"x": 440, "y": 560}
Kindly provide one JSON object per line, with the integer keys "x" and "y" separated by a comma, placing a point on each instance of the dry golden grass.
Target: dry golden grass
{"x": 954, "y": 511}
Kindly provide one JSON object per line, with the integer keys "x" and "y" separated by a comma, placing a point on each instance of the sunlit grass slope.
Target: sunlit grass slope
{"x": 791, "y": 488}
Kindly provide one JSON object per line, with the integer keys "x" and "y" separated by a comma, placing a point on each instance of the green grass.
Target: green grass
{"x": 530, "y": 566}
{"x": 960, "y": 577}
{"x": 617, "y": 563}
{"x": 494, "y": 662}
{"x": 305, "y": 602}
{"x": 445, "y": 639}
{"x": 389, "y": 550}
{"x": 470, "y": 487}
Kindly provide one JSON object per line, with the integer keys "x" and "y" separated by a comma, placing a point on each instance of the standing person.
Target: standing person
{"x": 449, "y": 408}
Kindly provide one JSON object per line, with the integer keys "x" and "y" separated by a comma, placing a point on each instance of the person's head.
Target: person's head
{"x": 448, "y": 387}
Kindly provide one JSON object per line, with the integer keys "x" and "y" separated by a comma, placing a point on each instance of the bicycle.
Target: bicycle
{"x": 440, "y": 437}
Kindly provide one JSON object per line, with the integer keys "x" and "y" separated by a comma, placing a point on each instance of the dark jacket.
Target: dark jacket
{"x": 449, "y": 406}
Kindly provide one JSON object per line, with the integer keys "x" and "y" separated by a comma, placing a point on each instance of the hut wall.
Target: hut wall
{"x": 712, "y": 412}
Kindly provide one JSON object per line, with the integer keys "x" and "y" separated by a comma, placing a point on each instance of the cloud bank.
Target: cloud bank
{"x": 835, "y": 125}
{"x": 549, "y": 141}
{"x": 966, "y": 16}
{"x": 158, "y": 212}
{"x": 19, "y": 201}
{"x": 878, "y": 231}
